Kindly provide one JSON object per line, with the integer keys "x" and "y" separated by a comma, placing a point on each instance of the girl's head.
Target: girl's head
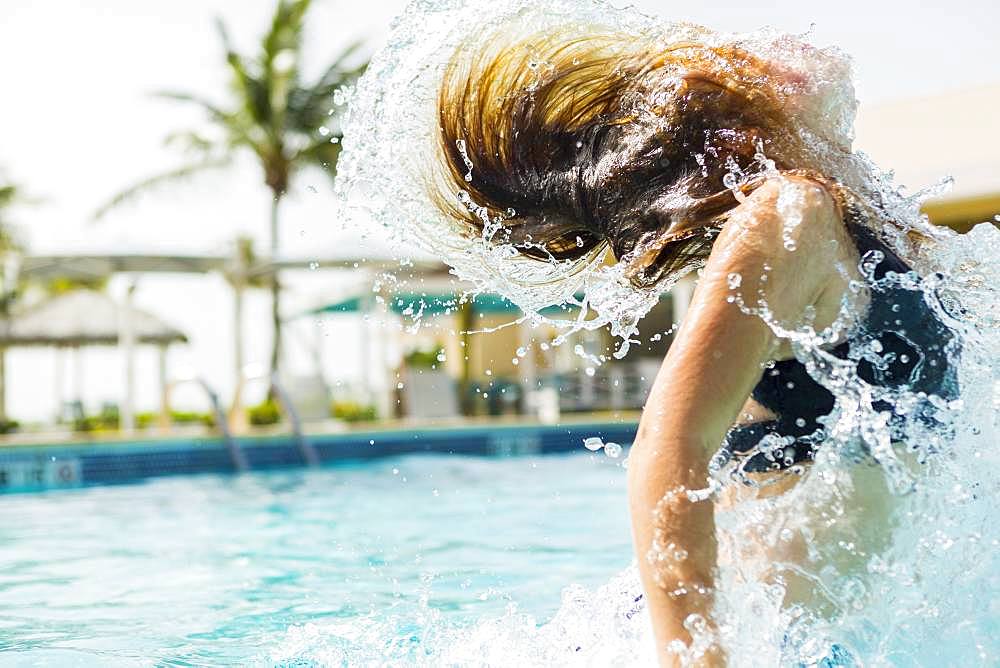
{"x": 567, "y": 144}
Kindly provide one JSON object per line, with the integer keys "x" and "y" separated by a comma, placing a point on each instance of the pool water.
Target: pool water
{"x": 240, "y": 569}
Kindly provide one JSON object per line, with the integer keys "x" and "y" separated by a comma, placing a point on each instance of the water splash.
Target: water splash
{"x": 914, "y": 581}
{"x": 384, "y": 176}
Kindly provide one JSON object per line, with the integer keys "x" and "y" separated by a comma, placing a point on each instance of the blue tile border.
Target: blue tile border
{"x": 41, "y": 467}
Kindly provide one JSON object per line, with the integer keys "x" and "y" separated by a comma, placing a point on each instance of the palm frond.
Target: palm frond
{"x": 341, "y": 68}
{"x": 279, "y": 61}
{"x": 9, "y": 194}
{"x": 322, "y": 153}
{"x": 252, "y": 97}
{"x": 309, "y": 107}
{"x": 214, "y": 111}
{"x": 252, "y": 92}
{"x": 191, "y": 142}
{"x": 150, "y": 184}
{"x": 285, "y": 33}
{"x": 223, "y": 30}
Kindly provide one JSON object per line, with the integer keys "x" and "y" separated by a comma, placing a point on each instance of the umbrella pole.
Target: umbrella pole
{"x": 126, "y": 339}
{"x": 164, "y": 389}
{"x": 78, "y": 374}
{"x": 57, "y": 392}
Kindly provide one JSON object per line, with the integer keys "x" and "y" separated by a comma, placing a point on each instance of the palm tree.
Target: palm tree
{"x": 271, "y": 114}
{"x": 10, "y": 195}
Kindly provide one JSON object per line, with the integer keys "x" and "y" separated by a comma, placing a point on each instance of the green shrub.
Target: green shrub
{"x": 264, "y": 413}
{"x": 106, "y": 420}
{"x": 353, "y": 411}
{"x": 192, "y": 417}
{"x": 426, "y": 358}
{"x": 146, "y": 420}
{"x": 151, "y": 419}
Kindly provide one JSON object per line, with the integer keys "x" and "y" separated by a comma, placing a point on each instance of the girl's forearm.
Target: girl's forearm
{"x": 674, "y": 535}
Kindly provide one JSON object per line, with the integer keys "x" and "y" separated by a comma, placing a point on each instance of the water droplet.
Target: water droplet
{"x": 593, "y": 443}
{"x": 734, "y": 280}
{"x": 612, "y": 450}
{"x": 314, "y": 265}
{"x": 323, "y": 130}
{"x": 590, "y": 371}
{"x": 441, "y": 357}
{"x": 460, "y": 145}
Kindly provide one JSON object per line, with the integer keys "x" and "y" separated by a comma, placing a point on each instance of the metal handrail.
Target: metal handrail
{"x": 308, "y": 451}
{"x": 236, "y": 453}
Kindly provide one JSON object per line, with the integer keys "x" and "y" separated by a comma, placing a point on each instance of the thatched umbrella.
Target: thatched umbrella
{"x": 89, "y": 318}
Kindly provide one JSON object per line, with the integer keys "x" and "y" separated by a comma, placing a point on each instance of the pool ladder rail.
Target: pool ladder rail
{"x": 236, "y": 453}
{"x": 306, "y": 448}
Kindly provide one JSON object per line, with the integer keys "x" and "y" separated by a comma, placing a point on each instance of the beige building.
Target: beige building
{"x": 925, "y": 139}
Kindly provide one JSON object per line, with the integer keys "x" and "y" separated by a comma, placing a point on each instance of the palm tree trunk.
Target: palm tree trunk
{"x": 237, "y": 417}
{"x": 275, "y": 288}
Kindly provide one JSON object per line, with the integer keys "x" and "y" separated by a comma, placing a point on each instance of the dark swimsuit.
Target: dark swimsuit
{"x": 916, "y": 352}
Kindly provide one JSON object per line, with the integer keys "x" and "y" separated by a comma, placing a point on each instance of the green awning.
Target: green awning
{"x": 352, "y": 305}
{"x": 427, "y": 304}
{"x": 411, "y": 303}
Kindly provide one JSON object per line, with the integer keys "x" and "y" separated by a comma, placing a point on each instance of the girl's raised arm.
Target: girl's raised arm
{"x": 710, "y": 370}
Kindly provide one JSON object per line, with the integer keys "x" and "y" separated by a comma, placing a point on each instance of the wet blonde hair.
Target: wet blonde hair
{"x": 568, "y": 143}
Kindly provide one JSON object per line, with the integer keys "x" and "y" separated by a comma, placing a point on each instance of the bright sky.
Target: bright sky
{"x": 78, "y": 123}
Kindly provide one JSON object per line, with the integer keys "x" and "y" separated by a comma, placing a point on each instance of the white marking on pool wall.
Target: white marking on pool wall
{"x": 40, "y": 473}
{"x": 514, "y": 444}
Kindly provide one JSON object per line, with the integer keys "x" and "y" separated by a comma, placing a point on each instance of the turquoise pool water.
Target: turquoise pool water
{"x": 209, "y": 570}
